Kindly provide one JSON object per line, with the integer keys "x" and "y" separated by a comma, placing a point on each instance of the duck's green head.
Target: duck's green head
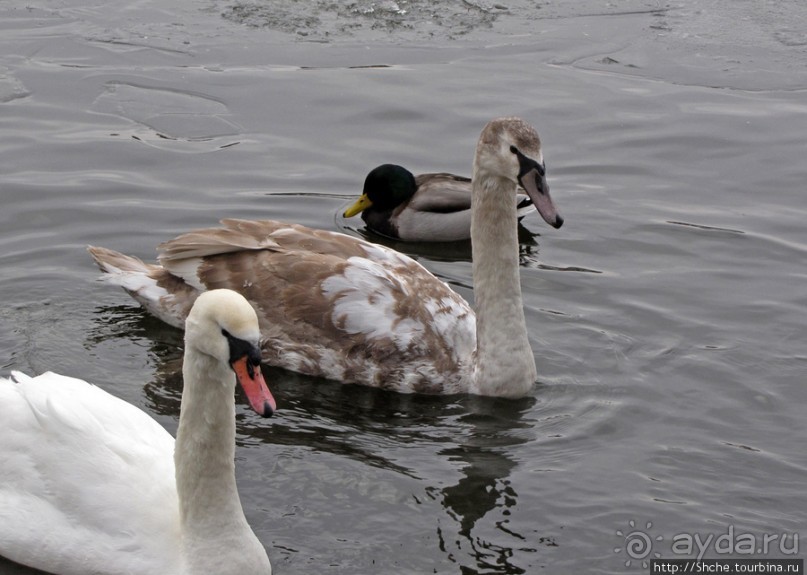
{"x": 385, "y": 188}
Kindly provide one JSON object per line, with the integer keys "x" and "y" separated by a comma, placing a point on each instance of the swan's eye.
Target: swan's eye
{"x": 240, "y": 348}
{"x": 514, "y": 150}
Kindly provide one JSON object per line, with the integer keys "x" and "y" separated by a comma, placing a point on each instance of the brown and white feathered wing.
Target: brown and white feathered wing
{"x": 329, "y": 304}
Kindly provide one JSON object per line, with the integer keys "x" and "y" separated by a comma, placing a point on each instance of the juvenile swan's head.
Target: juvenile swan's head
{"x": 510, "y": 148}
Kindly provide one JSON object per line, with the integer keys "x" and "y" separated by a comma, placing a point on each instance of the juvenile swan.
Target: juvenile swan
{"x": 90, "y": 484}
{"x": 338, "y": 307}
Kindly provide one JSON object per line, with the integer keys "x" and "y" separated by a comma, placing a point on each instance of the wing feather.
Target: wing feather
{"x": 441, "y": 193}
{"x": 329, "y": 304}
{"x": 64, "y": 428}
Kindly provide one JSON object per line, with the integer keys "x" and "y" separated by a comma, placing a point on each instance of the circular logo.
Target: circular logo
{"x": 637, "y": 544}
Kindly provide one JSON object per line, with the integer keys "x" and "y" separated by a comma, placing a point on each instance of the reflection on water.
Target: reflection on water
{"x": 672, "y": 363}
{"x": 475, "y": 435}
{"x": 485, "y": 489}
{"x": 372, "y": 426}
{"x": 164, "y": 346}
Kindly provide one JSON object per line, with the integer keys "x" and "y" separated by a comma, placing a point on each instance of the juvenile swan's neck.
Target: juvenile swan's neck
{"x": 211, "y": 516}
{"x": 505, "y": 364}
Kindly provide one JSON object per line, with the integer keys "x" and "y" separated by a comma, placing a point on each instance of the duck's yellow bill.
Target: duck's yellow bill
{"x": 359, "y": 206}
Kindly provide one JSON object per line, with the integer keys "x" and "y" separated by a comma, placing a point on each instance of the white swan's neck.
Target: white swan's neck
{"x": 505, "y": 364}
{"x": 211, "y": 515}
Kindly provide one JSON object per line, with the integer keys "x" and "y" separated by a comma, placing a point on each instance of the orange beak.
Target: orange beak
{"x": 251, "y": 380}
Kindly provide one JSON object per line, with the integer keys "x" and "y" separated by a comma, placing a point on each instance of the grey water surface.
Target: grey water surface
{"x": 668, "y": 316}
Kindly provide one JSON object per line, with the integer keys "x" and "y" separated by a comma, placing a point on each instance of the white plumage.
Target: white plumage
{"x": 89, "y": 484}
{"x": 66, "y": 445}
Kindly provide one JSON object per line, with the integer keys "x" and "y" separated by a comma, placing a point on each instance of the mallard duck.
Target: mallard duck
{"x": 335, "y": 306}
{"x": 92, "y": 484}
{"x": 428, "y": 207}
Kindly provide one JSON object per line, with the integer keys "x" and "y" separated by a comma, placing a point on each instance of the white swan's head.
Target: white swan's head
{"x": 510, "y": 148}
{"x": 223, "y": 325}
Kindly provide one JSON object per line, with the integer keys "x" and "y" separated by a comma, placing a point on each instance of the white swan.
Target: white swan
{"x": 338, "y": 307}
{"x": 90, "y": 484}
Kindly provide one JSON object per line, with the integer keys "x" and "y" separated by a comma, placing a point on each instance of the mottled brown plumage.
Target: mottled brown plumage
{"x": 285, "y": 270}
{"x": 335, "y": 306}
